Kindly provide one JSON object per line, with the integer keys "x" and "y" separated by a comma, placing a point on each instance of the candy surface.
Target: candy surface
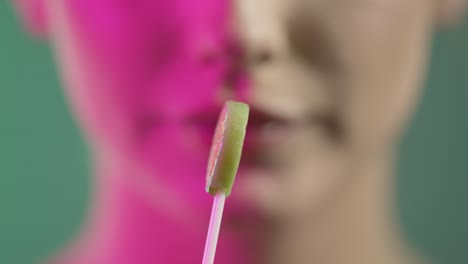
{"x": 226, "y": 148}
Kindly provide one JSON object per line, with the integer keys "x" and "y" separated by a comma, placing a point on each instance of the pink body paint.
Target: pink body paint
{"x": 143, "y": 78}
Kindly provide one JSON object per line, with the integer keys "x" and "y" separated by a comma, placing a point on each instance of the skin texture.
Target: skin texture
{"x": 331, "y": 84}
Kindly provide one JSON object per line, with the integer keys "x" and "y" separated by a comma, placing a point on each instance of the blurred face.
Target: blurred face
{"x": 330, "y": 82}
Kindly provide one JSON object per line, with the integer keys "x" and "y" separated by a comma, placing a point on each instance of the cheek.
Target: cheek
{"x": 121, "y": 63}
{"x": 383, "y": 65}
{"x": 181, "y": 87}
{"x": 173, "y": 156}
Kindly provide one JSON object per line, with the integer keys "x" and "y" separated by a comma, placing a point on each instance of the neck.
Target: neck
{"x": 356, "y": 227}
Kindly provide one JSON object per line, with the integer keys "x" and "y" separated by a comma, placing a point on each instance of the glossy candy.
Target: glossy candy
{"x": 226, "y": 148}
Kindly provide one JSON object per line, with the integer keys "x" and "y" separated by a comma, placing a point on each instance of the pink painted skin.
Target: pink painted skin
{"x": 143, "y": 78}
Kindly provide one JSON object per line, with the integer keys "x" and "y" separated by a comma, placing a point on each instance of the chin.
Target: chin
{"x": 291, "y": 193}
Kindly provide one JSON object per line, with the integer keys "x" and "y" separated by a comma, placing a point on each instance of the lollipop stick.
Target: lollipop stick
{"x": 213, "y": 229}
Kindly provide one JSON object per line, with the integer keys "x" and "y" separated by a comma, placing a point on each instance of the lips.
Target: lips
{"x": 265, "y": 130}
{"x": 267, "y": 134}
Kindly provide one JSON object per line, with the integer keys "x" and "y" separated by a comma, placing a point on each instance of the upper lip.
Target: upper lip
{"x": 257, "y": 118}
{"x": 260, "y": 121}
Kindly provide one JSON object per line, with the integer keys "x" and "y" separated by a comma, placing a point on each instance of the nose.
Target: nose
{"x": 260, "y": 27}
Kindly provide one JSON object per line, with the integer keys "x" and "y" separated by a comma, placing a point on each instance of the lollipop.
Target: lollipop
{"x": 223, "y": 162}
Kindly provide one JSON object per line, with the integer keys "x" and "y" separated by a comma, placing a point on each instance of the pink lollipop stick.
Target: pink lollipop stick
{"x": 213, "y": 228}
{"x": 223, "y": 162}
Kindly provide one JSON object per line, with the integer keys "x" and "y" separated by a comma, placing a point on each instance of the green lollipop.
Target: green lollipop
{"x": 226, "y": 148}
{"x": 223, "y": 162}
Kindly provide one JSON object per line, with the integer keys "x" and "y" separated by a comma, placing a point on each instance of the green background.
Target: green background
{"x": 44, "y": 175}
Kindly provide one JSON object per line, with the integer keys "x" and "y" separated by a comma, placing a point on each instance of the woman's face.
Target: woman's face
{"x": 330, "y": 82}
